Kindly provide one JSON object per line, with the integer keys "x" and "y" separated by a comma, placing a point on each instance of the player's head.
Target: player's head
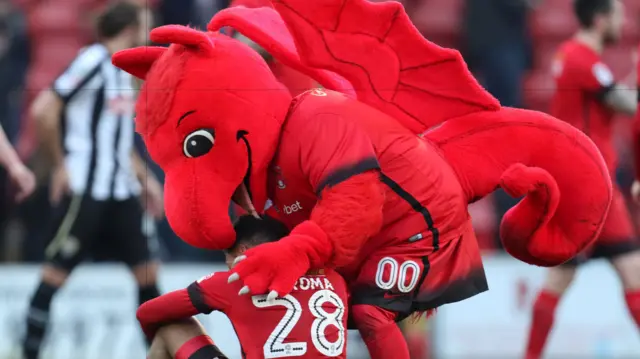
{"x": 605, "y": 17}
{"x": 122, "y": 22}
{"x": 251, "y": 231}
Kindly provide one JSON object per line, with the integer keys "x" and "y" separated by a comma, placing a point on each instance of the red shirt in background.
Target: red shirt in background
{"x": 582, "y": 81}
{"x": 636, "y": 137}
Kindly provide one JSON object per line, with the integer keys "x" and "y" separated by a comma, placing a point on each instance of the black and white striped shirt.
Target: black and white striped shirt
{"x": 97, "y": 125}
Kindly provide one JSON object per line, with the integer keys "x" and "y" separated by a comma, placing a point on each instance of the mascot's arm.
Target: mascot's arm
{"x": 341, "y": 165}
{"x": 349, "y": 213}
{"x": 201, "y": 297}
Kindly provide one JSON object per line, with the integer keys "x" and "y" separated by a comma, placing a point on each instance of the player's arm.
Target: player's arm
{"x": 46, "y": 111}
{"x": 598, "y": 79}
{"x": 201, "y": 297}
{"x": 143, "y": 173}
{"x": 340, "y": 163}
{"x": 622, "y": 98}
{"x": 47, "y": 108}
{"x": 8, "y": 157}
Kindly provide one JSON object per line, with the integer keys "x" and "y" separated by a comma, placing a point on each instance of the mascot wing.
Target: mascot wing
{"x": 266, "y": 28}
{"x": 388, "y": 62}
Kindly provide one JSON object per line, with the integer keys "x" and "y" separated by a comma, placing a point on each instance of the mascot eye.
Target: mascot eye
{"x": 198, "y": 143}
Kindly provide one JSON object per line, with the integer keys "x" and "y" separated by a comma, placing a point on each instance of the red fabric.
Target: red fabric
{"x": 580, "y": 77}
{"x": 632, "y": 297}
{"x": 453, "y": 272}
{"x": 314, "y": 296}
{"x": 388, "y": 62}
{"x": 544, "y": 310}
{"x": 192, "y": 346}
{"x": 380, "y": 332}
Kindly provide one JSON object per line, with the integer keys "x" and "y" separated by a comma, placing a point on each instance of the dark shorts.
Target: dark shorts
{"x": 618, "y": 236}
{"x": 84, "y": 228}
{"x": 416, "y": 277}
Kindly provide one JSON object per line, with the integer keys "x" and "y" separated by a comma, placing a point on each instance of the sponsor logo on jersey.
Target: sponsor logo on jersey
{"x": 292, "y": 208}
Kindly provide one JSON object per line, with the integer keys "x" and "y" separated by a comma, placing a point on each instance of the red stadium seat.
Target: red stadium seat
{"x": 538, "y": 89}
{"x": 554, "y": 19}
{"x": 439, "y": 20}
{"x": 620, "y": 60}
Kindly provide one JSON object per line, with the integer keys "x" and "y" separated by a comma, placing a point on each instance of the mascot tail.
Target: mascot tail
{"x": 390, "y": 66}
{"x": 559, "y": 171}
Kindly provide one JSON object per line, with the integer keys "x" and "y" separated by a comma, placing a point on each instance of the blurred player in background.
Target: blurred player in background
{"x": 85, "y": 122}
{"x": 635, "y": 189}
{"x": 20, "y": 175}
{"x": 588, "y": 97}
{"x": 310, "y": 322}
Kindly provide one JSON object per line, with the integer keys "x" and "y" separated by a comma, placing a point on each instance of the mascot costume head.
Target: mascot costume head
{"x": 211, "y": 112}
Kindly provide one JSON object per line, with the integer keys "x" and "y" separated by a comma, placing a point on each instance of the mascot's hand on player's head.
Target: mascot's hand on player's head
{"x": 210, "y": 113}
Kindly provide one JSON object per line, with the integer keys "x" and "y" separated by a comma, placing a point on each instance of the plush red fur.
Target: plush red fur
{"x": 335, "y": 214}
{"x": 560, "y": 172}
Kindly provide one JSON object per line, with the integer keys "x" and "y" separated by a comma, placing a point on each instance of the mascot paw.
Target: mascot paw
{"x": 271, "y": 267}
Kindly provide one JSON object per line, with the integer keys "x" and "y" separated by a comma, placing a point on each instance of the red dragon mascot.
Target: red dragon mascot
{"x": 374, "y": 174}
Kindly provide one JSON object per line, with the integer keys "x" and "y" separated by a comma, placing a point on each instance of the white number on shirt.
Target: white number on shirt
{"x": 398, "y": 275}
{"x": 275, "y": 347}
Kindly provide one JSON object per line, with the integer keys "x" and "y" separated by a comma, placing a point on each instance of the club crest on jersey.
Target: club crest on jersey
{"x": 318, "y": 92}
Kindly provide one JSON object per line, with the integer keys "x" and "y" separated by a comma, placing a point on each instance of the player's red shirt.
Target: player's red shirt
{"x": 582, "y": 80}
{"x": 328, "y": 138}
{"x": 309, "y": 322}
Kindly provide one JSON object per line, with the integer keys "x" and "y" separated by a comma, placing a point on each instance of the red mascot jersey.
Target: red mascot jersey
{"x": 324, "y": 142}
{"x": 328, "y": 138}
{"x": 582, "y": 80}
{"x": 309, "y": 322}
